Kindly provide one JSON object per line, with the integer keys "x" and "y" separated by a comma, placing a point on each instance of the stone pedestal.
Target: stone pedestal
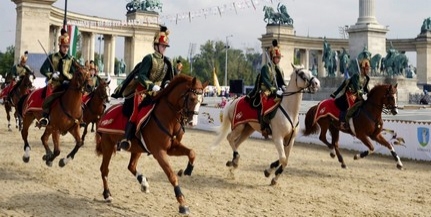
{"x": 283, "y": 33}
{"x": 406, "y": 86}
{"x": 423, "y": 48}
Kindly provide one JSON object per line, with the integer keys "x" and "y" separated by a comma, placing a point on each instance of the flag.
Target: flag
{"x": 216, "y": 84}
{"x": 72, "y": 30}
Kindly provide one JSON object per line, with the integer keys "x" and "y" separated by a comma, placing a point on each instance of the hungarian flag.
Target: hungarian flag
{"x": 72, "y": 30}
{"x": 216, "y": 84}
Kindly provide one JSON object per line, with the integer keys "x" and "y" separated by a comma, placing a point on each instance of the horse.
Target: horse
{"x": 401, "y": 62}
{"x": 344, "y": 61}
{"x": 284, "y": 124}
{"x": 152, "y": 5}
{"x": 330, "y": 59}
{"x": 95, "y": 106}
{"x": 366, "y": 124}
{"x": 65, "y": 115}
{"x": 18, "y": 90}
{"x": 159, "y": 134}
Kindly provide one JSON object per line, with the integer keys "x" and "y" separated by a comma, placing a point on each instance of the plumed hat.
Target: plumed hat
{"x": 365, "y": 63}
{"x": 274, "y": 51}
{"x": 64, "y": 38}
{"x": 161, "y": 36}
{"x": 23, "y": 58}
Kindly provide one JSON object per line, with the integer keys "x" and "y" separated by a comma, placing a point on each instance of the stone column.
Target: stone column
{"x": 128, "y": 54}
{"x": 92, "y": 45}
{"x": 111, "y": 71}
{"x": 366, "y": 12}
{"x": 85, "y": 43}
{"x": 109, "y": 54}
{"x": 54, "y": 33}
{"x": 32, "y": 24}
{"x": 423, "y": 49}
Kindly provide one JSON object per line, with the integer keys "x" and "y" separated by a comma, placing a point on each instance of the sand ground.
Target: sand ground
{"x": 313, "y": 184}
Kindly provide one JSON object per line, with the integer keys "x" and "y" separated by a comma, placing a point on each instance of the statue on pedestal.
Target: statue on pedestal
{"x": 144, "y": 5}
{"x": 281, "y": 17}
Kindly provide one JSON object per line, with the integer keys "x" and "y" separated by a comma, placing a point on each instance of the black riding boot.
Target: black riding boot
{"x": 44, "y": 121}
{"x": 125, "y": 143}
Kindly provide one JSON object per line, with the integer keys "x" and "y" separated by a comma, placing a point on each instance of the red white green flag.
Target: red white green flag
{"x": 72, "y": 30}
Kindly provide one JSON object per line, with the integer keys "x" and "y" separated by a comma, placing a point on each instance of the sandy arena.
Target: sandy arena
{"x": 312, "y": 185}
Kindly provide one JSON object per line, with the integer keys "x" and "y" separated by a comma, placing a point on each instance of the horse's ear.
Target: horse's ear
{"x": 194, "y": 81}
{"x": 205, "y": 84}
{"x": 396, "y": 85}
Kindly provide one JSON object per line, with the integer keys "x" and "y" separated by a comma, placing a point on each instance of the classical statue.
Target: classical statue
{"x": 364, "y": 54}
{"x": 394, "y": 63}
{"x": 144, "y": 5}
{"x": 281, "y": 17}
{"x": 122, "y": 67}
{"x": 329, "y": 58}
{"x": 344, "y": 61}
{"x": 426, "y": 25}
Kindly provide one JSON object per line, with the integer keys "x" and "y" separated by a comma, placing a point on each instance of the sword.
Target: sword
{"x": 47, "y": 56}
{"x": 269, "y": 60}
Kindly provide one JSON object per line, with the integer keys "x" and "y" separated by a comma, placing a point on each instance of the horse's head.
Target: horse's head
{"x": 27, "y": 81}
{"x": 384, "y": 96}
{"x": 184, "y": 93}
{"x": 102, "y": 90}
{"x": 81, "y": 78}
{"x": 304, "y": 79}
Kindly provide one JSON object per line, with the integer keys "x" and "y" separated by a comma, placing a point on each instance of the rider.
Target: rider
{"x": 19, "y": 71}
{"x": 178, "y": 67}
{"x": 155, "y": 71}
{"x": 355, "y": 87}
{"x": 58, "y": 68}
{"x": 269, "y": 83}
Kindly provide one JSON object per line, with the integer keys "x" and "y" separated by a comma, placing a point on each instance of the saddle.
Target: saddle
{"x": 328, "y": 107}
{"x": 244, "y": 113}
{"x": 35, "y": 99}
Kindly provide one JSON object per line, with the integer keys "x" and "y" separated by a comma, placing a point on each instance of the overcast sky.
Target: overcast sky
{"x": 316, "y": 18}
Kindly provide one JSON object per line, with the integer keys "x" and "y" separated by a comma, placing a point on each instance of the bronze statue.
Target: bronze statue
{"x": 281, "y": 17}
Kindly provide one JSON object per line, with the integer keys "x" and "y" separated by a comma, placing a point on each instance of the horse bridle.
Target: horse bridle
{"x": 308, "y": 82}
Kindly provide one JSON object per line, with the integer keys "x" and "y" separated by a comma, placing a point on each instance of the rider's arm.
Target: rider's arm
{"x": 265, "y": 79}
{"x": 46, "y": 68}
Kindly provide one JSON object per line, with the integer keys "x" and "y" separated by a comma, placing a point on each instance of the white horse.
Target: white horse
{"x": 285, "y": 124}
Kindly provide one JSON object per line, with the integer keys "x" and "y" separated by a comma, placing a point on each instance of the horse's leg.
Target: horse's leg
{"x": 367, "y": 142}
{"x": 92, "y": 128}
{"x": 178, "y": 149}
{"x": 107, "y": 150}
{"x": 49, "y": 155}
{"x": 133, "y": 163}
{"x": 162, "y": 158}
{"x": 235, "y": 138}
{"x": 24, "y": 135}
{"x": 282, "y": 158}
{"x": 324, "y": 125}
{"x": 380, "y": 139}
{"x": 78, "y": 143}
{"x": 335, "y": 134}
{"x": 8, "y": 109}
{"x": 84, "y": 133}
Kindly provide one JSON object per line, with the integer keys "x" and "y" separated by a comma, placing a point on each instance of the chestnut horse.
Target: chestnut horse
{"x": 160, "y": 136}
{"x": 95, "y": 106}
{"x": 284, "y": 124}
{"x": 21, "y": 88}
{"x": 366, "y": 124}
{"x": 65, "y": 115}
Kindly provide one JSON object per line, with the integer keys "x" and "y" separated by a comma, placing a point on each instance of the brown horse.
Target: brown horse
{"x": 160, "y": 135}
{"x": 365, "y": 124}
{"x": 20, "y": 89}
{"x": 65, "y": 116}
{"x": 95, "y": 106}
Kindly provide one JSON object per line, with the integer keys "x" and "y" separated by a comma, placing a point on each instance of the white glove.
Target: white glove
{"x": 56, "y": 75}
{"x": 284, "y": 87}
{"x": 364, "y": 96}
{"x": 17, "y": 78}
{"x": 279, "y": 92}
{"x": 156, "y": 88}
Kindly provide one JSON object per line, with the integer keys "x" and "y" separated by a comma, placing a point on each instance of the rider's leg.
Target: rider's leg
{"x": 130, "y": 126}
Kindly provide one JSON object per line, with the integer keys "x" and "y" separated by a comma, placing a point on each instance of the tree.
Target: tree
{"x": 7, "y": 60}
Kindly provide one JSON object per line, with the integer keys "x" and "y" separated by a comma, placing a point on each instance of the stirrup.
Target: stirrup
{"x": 43, "y": 122}
{"x": 124, "y": 145}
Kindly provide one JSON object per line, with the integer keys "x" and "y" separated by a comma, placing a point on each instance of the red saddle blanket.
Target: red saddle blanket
{"x": 6, "y": 90}
{"x": 35, "y": 100}
{"x": 243, "y": 112}
{"x": 114, "y": 122}
{"x": 328, "y": 107}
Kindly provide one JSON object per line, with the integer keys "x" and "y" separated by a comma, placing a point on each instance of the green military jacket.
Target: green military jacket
{"x": 271, "y": 78}
{"x": 63, "y": 64}
{"x": 19, "y": 70}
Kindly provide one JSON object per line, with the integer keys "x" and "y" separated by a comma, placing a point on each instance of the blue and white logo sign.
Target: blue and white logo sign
{"x": 423, "y": 136}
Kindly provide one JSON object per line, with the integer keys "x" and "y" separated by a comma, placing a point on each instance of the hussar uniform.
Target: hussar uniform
{"x": 155, "y": 71}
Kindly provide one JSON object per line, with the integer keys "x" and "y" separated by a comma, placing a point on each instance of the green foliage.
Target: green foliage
{"x": 212, "y": 56}
{"x": 7, "y": 60}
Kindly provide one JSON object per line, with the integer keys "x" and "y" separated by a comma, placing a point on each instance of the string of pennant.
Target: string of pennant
{"x": 215, "y": 10}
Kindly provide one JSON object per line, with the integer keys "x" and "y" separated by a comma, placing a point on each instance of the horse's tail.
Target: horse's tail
{"x": 98, "y": 139}
{"x": 310, "y": 125}
{"x": 20, "y": 105}
{"x": 224, "y": 128}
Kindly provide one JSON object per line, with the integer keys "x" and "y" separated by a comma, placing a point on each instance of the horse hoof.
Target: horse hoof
{"x": 180, "y": 173}
{"x": 356, "y": 157}
{"x": 25, "y": 159}
{"x": 61, "y": 163}
{"x": 229, "y": 163}
{"x": 400, "y": 167}
{"x": 10, "y": 130}
{"x": 332, "y": 155}
{"x": 343, "y": 166}
{"x": 184, "y": 210}
{"x": 44, "y": 157}
{"x": 267, "y": 174}
{"x": 273, "y": 182}
{"x": 108, "y": 199}
{"x": 49, "y": 163}
{"x": 145, "y": 189}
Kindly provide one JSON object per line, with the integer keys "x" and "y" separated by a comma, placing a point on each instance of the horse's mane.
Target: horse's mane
{"x": 376, "y": 88}
{"x": 178, "y": 79}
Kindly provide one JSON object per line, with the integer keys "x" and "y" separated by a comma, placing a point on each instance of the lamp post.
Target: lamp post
{"x": 225, "y": 69}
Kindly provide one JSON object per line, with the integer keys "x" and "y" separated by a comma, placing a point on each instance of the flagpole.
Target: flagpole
{"x": 65, "y": 15}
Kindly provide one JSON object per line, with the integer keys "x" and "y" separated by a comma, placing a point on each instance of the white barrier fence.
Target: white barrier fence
{"x": 410, "y": 138}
